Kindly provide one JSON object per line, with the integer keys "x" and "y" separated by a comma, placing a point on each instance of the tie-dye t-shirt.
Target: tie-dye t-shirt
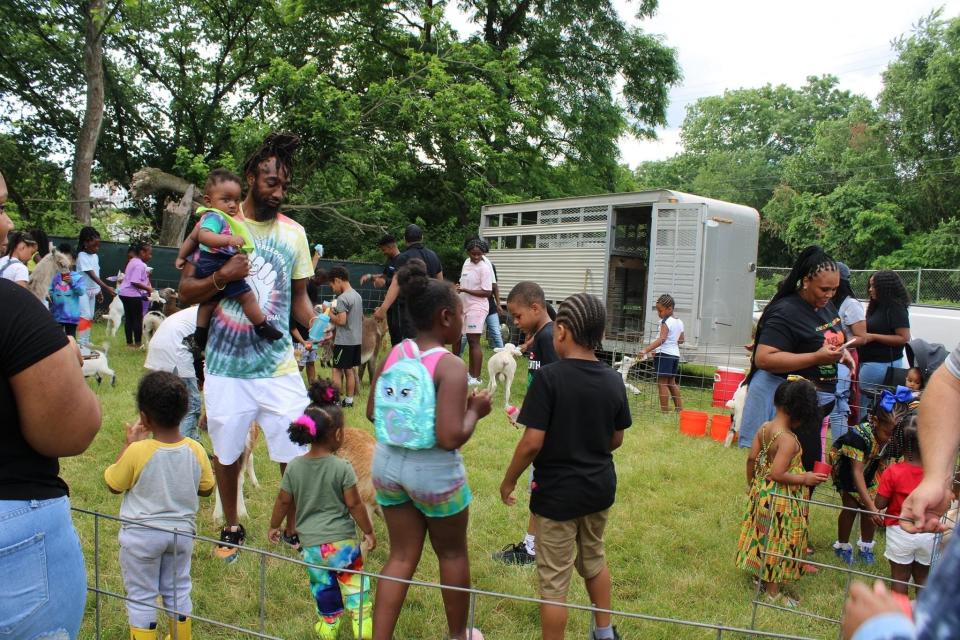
{"x": 280, "y": 255}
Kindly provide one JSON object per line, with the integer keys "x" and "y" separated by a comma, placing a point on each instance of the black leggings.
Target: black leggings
{"x": 132, "y": 318}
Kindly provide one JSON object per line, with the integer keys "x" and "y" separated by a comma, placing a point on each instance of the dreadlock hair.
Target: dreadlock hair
{"x": 810, "y": 262}
{"x": 325, "y": 413}
{"x": 424, "y": 295}
{"x": 585, "y": 318}
{"x": 163, "y": 397}
{"x": 86, "y": 235}
{"x": 527, "y": 293}
{"x": 219, "y": 175}
{"x": 889, "y": 290}
{"x": 281, "y": 146}
{"x": 666, "y": 301}
{"x": 798, "y": 399}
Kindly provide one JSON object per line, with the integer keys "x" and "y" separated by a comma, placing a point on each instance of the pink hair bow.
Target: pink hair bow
{"x": 307, "y": 422}
{"x": 329, "y": 393}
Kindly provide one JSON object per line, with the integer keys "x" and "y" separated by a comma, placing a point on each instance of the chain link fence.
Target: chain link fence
{"x": 938, "y": 287}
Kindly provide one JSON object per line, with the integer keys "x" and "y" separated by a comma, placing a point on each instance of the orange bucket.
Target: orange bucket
{"x": 693, "y": 423}
{"x": 719, "y": 426}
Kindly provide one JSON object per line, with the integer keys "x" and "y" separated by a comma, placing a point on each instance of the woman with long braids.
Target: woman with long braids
{"x": 888, "y": 330}
{"x": 799, "y": 333}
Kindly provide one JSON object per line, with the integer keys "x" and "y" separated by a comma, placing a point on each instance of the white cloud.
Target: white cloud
{"x": 634, "y": 151}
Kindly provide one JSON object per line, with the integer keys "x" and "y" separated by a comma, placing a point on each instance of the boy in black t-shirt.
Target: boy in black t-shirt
{"x": 575, "y": 413}
{"x": 528, "y": 306}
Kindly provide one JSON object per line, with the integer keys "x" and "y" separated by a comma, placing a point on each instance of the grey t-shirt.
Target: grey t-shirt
{"x": 953, "y": 363}
{"x": 317, "y": 486}
{"x": 352, "y": 332}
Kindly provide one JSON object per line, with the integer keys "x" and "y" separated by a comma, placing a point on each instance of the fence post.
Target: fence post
{"x": 96, "y": 569}
{"x": 919, "y": 272}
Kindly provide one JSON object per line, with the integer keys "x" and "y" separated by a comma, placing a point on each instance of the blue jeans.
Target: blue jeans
{"x": 758, "y": 407}
{"x": 44, "y": 586}
{"x": 188, "y": 426}
{"x": 872, "y": 375}
{"x": 841, "y": 410}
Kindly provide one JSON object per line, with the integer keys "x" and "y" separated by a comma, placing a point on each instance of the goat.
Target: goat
{"x": 42, "y": 276}
{"x": 152, "y": 320}
{"x": 736, "y": 404}
{"x": 503, "y": 365}
{"x": 624, "y": 367}
{"x": 114, "y": 316}
{"x": 373, "y": 332}
{"x": 95, "y": 366}
{"x": 169, "y": 297}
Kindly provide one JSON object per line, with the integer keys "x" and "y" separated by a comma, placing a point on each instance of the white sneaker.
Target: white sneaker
{"x": 473, "y": 382}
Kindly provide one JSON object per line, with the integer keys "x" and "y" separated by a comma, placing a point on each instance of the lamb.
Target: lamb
{"x": 624, "y": 367}
{"x": 114, "y": 316}
{"x": 42, "y": 276}
{"x": 736, "y": 404}
{"x": 95, "y": 366}
{"x": 502, "y": 364}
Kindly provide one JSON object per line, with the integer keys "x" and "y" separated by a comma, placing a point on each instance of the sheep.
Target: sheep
{"x": 624, "y": 367}
{"x": 502, "y": 364}
{"x": 95, "y": 366}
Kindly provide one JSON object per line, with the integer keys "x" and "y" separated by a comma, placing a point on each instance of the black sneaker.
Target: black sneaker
{"x": 230, "y": 554}
{"x": 616, "y": 635}
{"x": 515, "y": 554}
{"x": 292, "y": 540}
{"x": 346, "y": 404}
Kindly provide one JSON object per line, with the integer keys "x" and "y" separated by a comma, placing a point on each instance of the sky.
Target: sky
{"x": 730, "y": 44}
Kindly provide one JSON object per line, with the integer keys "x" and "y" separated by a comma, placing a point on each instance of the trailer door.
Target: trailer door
{"x": 675, "y": 259}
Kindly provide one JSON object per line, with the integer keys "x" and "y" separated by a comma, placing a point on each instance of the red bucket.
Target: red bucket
{"x": 719, "y": 426}
{"x": 725, "y": 383}
{"x": 693, "y": 423}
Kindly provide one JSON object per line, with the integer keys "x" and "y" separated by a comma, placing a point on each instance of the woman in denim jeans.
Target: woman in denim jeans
{"x": 888, "y": 330}
{"x": 44, "y": 588}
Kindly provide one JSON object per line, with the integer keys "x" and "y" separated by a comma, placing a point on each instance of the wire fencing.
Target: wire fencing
{"x": 937, "y": 287}
{"x": 101, "y": 592}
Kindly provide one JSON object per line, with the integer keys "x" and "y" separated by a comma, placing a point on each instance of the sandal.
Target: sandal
{"x": 782, "y": 600}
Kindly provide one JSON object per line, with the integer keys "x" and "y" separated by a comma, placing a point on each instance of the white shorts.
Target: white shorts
{"x": 907, "y": 548}
{"x": 234, "y": 403}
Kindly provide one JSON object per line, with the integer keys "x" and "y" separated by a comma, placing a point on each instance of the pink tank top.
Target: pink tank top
{"x": 429, "y": 359}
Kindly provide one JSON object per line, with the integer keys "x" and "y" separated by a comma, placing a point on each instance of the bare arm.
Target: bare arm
{"x": 866, "y": 501}
{"x": 479, "y": 293}
{"x": 496, "y": 298}
{"x": 195, "y": 290}
{"x": 752, "y": 457}
{"x": 280, "y": 508}
{"x": 302, "y": 309}
{"x": 218, "y": 240}
{"x": 339, "y": 319}
{"x": 786, "y": 449}
{"x": 392, "y": 292}
{"x": 103, "y": 285}
{"x": 617, "y": 440}
{"x": 898, "y": 339}
{"x": 454, "y": 425}
{"x": 56, "y": 424}
{"x": 523, "y": 456}
{"x": 859, "y": 331}
{"x": 776, "y": 361}
{"x": 371, "y": 395}
{"x": 661, "y": 338}
{"x": 351, "y": 497}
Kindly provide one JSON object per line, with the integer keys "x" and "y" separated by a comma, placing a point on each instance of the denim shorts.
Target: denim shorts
{"x": 44, "y": 589}
{"x": 666, "y": 365}
{"x": 434, "y": 480}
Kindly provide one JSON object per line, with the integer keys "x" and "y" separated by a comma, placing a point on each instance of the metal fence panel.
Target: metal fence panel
{"x": 938, "y": 287}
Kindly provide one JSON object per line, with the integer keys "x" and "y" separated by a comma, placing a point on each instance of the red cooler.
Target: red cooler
{"x": 725, "y": 383}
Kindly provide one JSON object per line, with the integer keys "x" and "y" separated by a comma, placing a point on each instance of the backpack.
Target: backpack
{"x": 405, "y": 404}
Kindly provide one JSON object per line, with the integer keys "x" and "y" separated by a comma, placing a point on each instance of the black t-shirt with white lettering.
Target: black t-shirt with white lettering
{"x": 28, "y": 334}
{"x": 579, "y": 404}
{"x": 793, "y": 325}
{"x": 885, "y": 321}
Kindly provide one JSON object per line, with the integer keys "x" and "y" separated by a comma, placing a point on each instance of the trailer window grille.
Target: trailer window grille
{"x": 593, "y": 240}
{"x": 594, "y": 214}
{"x": 570, "y": 215}
{"x": 550, "y": 216}
{"x": 547, "y": 241}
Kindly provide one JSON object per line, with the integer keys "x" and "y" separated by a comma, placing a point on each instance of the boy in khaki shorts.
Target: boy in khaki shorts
{"x": 574, "y": 415}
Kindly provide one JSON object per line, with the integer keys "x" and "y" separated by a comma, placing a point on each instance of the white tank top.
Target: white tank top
{"x": 671, "y": 346}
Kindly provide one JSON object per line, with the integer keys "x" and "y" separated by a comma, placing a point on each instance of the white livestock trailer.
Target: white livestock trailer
{"x": 630, "y": 248}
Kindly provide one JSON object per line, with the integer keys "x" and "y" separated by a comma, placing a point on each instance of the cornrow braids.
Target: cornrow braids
{"x": 585, "y": 318}
{"x": 666, "y": 300}
{"x": 281, "y": 146}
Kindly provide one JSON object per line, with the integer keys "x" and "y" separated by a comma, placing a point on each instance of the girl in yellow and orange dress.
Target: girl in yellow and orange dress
{"x": 776, "y": 524}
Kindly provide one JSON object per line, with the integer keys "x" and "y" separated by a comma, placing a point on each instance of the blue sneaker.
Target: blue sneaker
{"x": 866, "y": 557}
{"x": 845, "y": 555}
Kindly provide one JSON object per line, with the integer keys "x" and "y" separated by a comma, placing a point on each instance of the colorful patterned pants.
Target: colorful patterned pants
{"x": 333, "y": 589}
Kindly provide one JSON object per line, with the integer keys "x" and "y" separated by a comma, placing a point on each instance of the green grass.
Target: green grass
{"x": 670, "y": 542}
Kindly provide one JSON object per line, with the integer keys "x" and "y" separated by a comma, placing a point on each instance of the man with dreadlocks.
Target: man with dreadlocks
{"x": 251, "y": 380}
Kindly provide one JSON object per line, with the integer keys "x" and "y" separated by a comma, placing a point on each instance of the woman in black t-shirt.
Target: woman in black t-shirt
{"x": 47, "y": 410}
{"x": 799, "y": 333}
{"x": 888, "y": 330}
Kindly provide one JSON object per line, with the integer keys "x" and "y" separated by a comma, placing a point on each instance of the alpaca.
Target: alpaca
{"x": 43, "y": 273}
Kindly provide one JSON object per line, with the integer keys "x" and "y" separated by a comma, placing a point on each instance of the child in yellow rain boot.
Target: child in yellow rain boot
{"x": 160, "y": 479}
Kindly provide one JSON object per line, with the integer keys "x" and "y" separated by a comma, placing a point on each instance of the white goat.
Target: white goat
{"x": 503, "y": 364}
{"x": 114, "y": 316}
{"x": 95, "y": 366}
{"x": 246, "y": 468}
{"x": 736, "y": 404}
{"x": 624, "y": 368}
